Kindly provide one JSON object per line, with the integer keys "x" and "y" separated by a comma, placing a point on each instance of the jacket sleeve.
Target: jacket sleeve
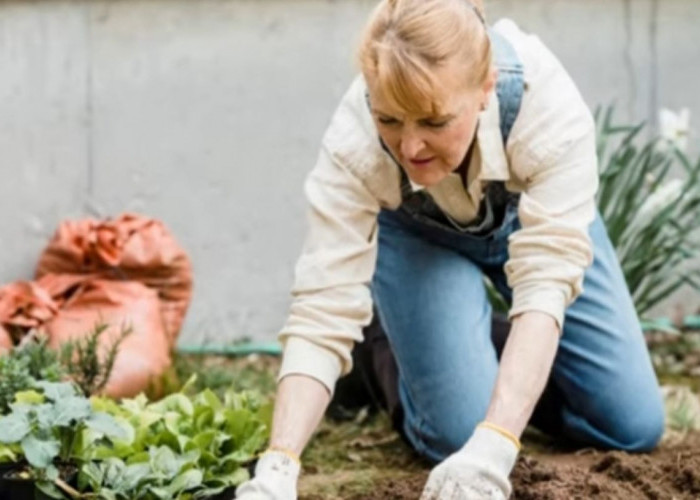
{"x": 554, "y": 156}
{"x": 331, "y": 299}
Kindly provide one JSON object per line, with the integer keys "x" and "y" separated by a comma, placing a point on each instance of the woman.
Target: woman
{"x": 462, "y": 152}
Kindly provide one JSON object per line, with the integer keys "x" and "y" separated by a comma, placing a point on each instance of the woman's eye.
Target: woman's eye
{"x": 435, "y": 124}
{"x": 387, "y": 121}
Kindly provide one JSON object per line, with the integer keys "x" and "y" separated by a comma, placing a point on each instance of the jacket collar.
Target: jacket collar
{"x": 494, "y": 164}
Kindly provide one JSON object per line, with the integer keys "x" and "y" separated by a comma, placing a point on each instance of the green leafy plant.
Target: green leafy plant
{"x": 184, "y": 447}
{"x": 33, "y": 360}
{"x": 14, "y": 377}
{"x": 86, "y": 363}
{"x": 649, "y": 198}
{"x": 52, "y": 427}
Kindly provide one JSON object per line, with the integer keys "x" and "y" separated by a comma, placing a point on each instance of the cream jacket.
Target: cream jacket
{"x": 550, "y": 159}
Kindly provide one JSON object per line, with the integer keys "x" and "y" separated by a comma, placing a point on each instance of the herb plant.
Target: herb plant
{"x": 87, "y": 363}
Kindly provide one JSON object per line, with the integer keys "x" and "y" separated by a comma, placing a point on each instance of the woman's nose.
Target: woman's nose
{"x": 411, "y": 144}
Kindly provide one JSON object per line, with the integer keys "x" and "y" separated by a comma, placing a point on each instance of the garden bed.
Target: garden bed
{"x": 365, "y": 460}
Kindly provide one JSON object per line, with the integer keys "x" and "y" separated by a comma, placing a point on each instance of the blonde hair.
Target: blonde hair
{"x": 406, "y": 40}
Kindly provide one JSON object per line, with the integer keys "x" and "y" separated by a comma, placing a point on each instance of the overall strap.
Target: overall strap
{"x": 510, "y": 85}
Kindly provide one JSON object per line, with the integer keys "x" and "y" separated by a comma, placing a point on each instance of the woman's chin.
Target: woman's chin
{"x": 426, "y": 179}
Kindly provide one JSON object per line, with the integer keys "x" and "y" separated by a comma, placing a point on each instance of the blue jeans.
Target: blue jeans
{"x": 429, "y": 293}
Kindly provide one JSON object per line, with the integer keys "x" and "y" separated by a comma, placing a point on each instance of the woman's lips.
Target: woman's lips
{"x": 421, "y": 162}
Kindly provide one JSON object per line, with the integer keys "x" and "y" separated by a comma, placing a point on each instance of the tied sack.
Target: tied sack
{"x": 65, "y": 307}
{"x": 130, "y": 247}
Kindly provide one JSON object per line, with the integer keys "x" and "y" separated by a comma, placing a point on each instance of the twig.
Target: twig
{"x": 73, "y": 493}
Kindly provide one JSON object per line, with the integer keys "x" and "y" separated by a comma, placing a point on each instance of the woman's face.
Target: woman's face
{"x": 430, "y": 147}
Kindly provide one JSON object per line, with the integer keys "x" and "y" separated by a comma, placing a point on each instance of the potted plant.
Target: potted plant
{"x": 45, "y": 435}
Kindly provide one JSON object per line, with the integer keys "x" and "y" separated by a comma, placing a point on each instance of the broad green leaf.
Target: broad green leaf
{"x": 14, "y": 427}
{"x": 203, "y": 418}
{"x": 175, "y": 402}
{"x": 45, "y": 416}
{"x": 236, "y": 477}
{"x": 190, "y": 384}
{"x": 107, "y": 494}
{"x": 110, "y": 426}
{"x": 209, "y": 399}
{"x": 40, "y": 452}
{"x": 70, "y": 409}
{"x": 204, "y": 440}
{"x": 112, "y": 470}
{"x": 163, "y": 461}
{"x": 133, "y": 474}
{"x": 51, "y": 472}
{"x": 161, "y": 493}
{"x": 7, "y": 455}
{"x": 107, "y": 405}
{"x": 56, "y": 391}
{"x": 186, "y": 481}
{"x": 208, "y": 492}
{"x": 135, "y": 405}
{"x": 90, "y": 475}
{"x": 49, "y": 489}
{"x": 29, "y": 397}
{"x": 137, "y": 458}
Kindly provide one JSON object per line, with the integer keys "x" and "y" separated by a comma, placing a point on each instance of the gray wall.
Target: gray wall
{"x": 208, "y": 114}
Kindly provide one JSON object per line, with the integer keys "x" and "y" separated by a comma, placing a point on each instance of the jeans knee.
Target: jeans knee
{"x": 642, "y": 431}
{"x": 438, "y": 439}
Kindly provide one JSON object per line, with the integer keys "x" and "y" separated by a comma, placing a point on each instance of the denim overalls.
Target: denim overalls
{"x": 429, "y": 294}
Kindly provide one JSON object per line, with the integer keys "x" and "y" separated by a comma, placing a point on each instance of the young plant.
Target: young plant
{"x": 49, "y": 429}
{"x": 185, "y": 446}
{"x": 32, "y": 360}
{"x": 87, "y": 364}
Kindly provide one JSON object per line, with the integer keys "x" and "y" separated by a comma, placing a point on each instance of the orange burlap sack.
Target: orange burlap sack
{"x": 132, "y": 248}
{"x": 69, "y": 306}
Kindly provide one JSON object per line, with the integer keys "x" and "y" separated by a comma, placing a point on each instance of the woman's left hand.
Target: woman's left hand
{"x": 478, "y": 471}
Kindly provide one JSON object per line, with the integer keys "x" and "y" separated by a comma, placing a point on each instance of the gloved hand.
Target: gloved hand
{"x": 478, "y": 471}
{"x": 275, "y": 478}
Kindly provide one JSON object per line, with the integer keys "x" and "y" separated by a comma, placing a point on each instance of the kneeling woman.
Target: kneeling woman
{"x": 462, "y": 151}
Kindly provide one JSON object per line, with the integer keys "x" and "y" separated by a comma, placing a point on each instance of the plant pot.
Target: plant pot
{"x": 17, "y": 488}
{"x": 6, "y": 467}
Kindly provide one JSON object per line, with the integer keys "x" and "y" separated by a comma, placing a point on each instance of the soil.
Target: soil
{"x": 671, "y": 472}
{"x": 364, "y": 459}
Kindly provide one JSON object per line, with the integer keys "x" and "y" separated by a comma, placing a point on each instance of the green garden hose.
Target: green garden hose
{"x": 275, "y": 349}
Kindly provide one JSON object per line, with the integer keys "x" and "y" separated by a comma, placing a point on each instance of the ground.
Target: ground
{"x": 363, "y": 459}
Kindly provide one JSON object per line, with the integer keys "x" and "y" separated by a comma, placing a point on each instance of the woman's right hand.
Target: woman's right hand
{"x": 299, "y": 407}
{"x": 275, "y": 478}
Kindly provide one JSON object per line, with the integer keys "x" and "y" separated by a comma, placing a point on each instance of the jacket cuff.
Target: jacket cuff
{"x": 547, "y": 299}
{"x": 303, "y": 357}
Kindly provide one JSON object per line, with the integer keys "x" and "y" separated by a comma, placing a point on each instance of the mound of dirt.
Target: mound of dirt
{"x": 671, "y": 472}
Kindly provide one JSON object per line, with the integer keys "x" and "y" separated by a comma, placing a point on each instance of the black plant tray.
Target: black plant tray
{"x": 13, "y": 488}
{"x": 25, "y": 489}
{"x": 227, "y": 494}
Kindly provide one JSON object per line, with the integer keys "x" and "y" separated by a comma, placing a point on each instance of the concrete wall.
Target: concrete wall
{"x": 208, "y": 114}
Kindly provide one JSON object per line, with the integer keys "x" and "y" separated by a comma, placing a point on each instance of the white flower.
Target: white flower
{"x": 662, "y": 197}
{"x": 675, "y": 127}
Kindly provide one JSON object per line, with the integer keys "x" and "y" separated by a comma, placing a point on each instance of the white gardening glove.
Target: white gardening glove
{"x": 275, "y": 478}
{"x": 478, "y": 471}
